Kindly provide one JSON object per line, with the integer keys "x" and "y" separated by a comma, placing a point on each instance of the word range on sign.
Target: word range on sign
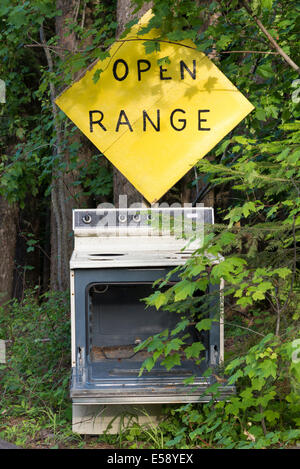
{"x": 178, "y": 124}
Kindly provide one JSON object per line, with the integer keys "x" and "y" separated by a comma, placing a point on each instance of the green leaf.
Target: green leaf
{"x": 234, "y": 364}
{"x": 260, "y": 290}
{"x": 97, "y": 74}
{"x": 184, "y": 289}
{"x": 245, "y": 301}
{"x": 265, "y": 71}
{"x": 157, "y": 299}
{"x": 4, "y": 7}
{"x": 148, "y": 364}
{"x": 227, "y": 238}
{"x": 171, "y": 360}
{"x": 151, "y": 46}
{"x": 194, "y": 350}
{"x": 236, "y": 376}
{"x": 267, "y": 4}
{"x": 18, "y": 17}
{"x": 164, "y": 61}
{"x": 180, "y": 326}
{"x": 204, "y": 325}
{"x": 260, "y": 114}
{"x": 223, "y": 42}
{"x": 173, "y": 344}
{"x": 282, "y": 272}
{"x": 271, "y": 415}
{"x": 155, "y": 344}
{"x": 290, "y": 435}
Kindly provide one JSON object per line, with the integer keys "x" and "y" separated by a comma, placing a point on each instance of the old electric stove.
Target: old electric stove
{"x": 118, "y": 254}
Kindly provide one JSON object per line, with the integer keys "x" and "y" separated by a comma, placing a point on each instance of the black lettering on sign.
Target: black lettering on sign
{"x": 157, "y": 126}
{"x": 125, "y": 122}
{"x": 202, "y": 120}
{"x": 179, "y": 120}
{"x": 126, "y": 70}
{"x": 184, "y": 66}
{"x": 140, "y": 69}
{"x": 161, "y": 72}
{"x": 92, "y": 122}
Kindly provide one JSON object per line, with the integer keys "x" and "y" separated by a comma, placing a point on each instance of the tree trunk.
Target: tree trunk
{"x": 121, "y": 185}
{"x": 125, "y": 13}
{"x": 65, "y": 196}
{"x": 8, "y": 235}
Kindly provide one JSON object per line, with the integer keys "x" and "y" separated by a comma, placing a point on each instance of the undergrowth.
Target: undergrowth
{"x": 34, "y": 381}
{"x": 35, "y": 408}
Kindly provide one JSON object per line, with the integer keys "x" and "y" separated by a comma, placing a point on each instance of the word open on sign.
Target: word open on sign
{"x": 144, "y": 65}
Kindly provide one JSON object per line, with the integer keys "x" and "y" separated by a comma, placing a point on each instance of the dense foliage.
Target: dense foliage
{"x": 27, "y": 130}
{"x": 35, "y": 379}
{"x": 257, "y": 167}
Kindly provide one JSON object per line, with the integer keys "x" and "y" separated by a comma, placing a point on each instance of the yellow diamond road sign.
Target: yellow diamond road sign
{"x": 152, "y": 120}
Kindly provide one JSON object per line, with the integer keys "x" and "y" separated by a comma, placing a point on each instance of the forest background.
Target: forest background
{"x": 251, "y": 178}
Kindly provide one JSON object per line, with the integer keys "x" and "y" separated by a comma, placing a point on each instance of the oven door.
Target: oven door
{"x": 111, "y": 319}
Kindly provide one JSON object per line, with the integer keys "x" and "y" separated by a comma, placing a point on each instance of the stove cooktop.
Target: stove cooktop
{"x": 82, "y": 259}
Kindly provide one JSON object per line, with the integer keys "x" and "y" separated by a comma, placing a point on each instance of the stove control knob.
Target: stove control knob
{"x": 87, "y": 218}
{"x": 122, "y": 218}
{"x": 137, "y": 217}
